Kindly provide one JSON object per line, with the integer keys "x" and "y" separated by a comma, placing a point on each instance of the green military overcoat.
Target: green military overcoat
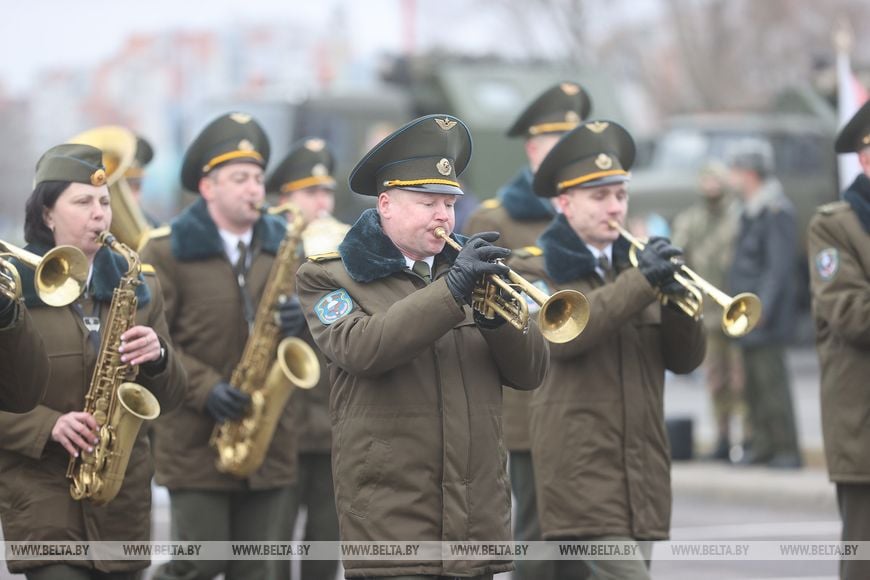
{"x": 416, "y": 402}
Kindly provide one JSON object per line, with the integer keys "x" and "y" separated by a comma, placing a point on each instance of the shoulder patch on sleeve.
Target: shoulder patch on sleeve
{"x": 833, "y": 207}
{"x": 324, "y": 257}
{"x": 149, "y": 270}
{"x": 491, "y": 203}
{"x": 827, "y": 263}
{"x": 334, "y": 306}
{"x": 528, "y": 252}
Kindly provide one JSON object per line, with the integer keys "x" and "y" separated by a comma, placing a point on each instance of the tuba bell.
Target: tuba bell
{"x": 60, "y": 275}
{"x": 118, "y": 145}
{"x": 562, "y": 316}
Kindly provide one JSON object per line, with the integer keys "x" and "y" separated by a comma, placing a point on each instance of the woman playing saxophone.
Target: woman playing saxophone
{"x": 70, "y": 205}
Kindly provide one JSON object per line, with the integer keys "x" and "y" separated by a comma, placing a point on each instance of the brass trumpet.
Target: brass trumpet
{"x": 60, "y": 275}
{"x": 740, "y": 314}
{"x": 561, "y": 318}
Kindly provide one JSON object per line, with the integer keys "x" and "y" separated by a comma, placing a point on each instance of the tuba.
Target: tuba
{"x": 118, "y": 406}
{"x": 60, "y": 275}
{"x": 740, "y": 314}
{"x": 118, "y": 145}
{"x": 242, "y": 444}
{"x": 562, "y": 316}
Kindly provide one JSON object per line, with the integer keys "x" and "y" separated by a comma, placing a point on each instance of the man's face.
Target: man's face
{"x": 538, "y": 147}
{"x": 314, "y": 202}
{"x": 588, "y": 211}
{"x": 233, "y": 193}
{"x": 711, "y": 186}
{"x": 409, "y": 219}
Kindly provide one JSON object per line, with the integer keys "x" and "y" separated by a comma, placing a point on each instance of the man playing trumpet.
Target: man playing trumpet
{"x": 416, "y": 375}
{"x": 599, "y": 447}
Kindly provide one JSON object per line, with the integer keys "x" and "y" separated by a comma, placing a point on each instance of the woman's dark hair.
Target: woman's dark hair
{"x": 44, "y": 196}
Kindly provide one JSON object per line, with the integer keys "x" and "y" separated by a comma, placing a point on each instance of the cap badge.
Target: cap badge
{"x": 569, "y": 88}
{"x": 319, "y": 170}
{"x": 315, "y": 144}
{"x": 597, "y": 126}
{"x": 443, "y": 167}
{"x": 245, "y": 145}
{"x": 445, "y": 123}
{"x": 240, "y": 118}
{"x": 603, "y": 161}
{"x": 98, "y": 177}
{"x": 572, "y": 117}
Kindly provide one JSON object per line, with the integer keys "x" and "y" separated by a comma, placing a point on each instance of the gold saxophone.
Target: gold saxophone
{"x": 117, "y": 405}
{"x": 242, "y": 444}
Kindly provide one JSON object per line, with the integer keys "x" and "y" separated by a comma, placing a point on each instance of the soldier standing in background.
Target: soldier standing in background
{"x": 764, "y": 263}
{"x": 520, "y": 216}
{"x": 839, "y": 255}
{"x": 706, "y": 232}
{"x": 305, "y": 179}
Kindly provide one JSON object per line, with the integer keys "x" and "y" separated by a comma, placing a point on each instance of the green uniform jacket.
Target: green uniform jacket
{"x": 417, "y": 449}
{"x": 35, "y": 502}
{"x": 24, "y": 366}
{"x": 205, "y": 313}
{"x": 520, "y": 217}
{"x": 839, "y": 255}
{"x": 600, "y": 451}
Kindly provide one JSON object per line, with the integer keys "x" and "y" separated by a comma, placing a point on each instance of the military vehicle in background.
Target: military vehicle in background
{"x": 486, "y": 93}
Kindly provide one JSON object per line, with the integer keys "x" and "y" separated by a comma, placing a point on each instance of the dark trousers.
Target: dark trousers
{"x": 246, "y": 516}
{"x": 67, "y": 572}
{"x": 854, "y": 501}
{"x": 527, "y": 528}
{"x": 313, "y": 490}
{"x": 769, "y": 404}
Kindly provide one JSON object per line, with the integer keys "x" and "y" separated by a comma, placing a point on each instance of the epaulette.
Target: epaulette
{"x": 491, "y": 203}
{"x": 148, "y": 269}
{"x": 528, "y": 252}
{"x": 833, "y": 207}
{"x": 324, "y": 257}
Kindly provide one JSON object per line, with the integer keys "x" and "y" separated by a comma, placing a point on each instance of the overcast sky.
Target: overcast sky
{"x": 70, "y": 33}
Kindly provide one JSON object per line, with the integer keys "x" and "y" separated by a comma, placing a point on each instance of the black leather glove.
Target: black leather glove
{"x": 227, "y": 403}
{"x": 475, "y": 260}
{"x": 654, "y": 261}
{"x": 7, "y": 311}
{"x": 291, "y": 320}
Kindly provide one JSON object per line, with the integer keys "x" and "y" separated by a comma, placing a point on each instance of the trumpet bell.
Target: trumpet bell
{"x": 741, "y": 315}
{"x": 61, "y": 275}
{"x": 563, "y": 316}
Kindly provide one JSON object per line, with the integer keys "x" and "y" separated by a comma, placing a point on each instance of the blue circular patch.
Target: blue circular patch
{"x": 335, "y": 305}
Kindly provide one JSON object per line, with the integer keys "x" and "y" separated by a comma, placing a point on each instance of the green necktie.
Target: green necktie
{"x": 422, "y": 269}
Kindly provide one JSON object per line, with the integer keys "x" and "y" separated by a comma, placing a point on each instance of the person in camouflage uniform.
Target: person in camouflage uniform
{"x": 706, "y": 233}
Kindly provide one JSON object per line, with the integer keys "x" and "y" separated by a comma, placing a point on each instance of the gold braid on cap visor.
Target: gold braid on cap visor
{"x": 561, "y": 127}
{"x": 405, "y": 183}
{"x": 307, "y": 182}
{"x": 215, "y": 161}
{"x": 563, "y": 185}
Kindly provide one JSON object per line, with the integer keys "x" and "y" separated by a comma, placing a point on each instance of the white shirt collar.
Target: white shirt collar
{"x": 231, "y": 243}
{"x": 410, "y": 263}
{"x": 596, "y": 253}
